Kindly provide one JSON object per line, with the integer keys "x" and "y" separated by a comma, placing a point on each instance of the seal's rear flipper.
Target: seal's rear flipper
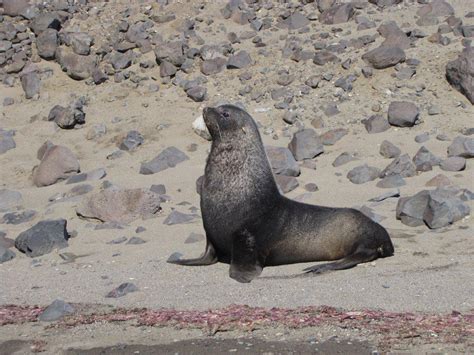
{"x": 208, "y": 258}
{"x": 360, "y": 256}
{"x": 245, "y": 264}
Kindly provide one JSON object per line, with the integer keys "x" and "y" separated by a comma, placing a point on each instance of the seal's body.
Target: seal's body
{"x": 249, "y": 224}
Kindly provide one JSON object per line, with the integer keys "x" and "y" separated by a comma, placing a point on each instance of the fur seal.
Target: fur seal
{"x": 249, "y": 224}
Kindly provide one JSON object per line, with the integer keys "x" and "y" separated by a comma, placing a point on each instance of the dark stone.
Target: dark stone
{"x": 176, "y": 217}
{"x": 78, "y": 67}
{"x": 403, "y": 114}
{"x": 44, "y": 21}
{"x": 402, "y": 166}
{"x": 18, "y": 217}
{"x": 391, "y": 181}
{"x": 239, "y": 60}
{"x": 120, "y": 60}
{"x": 343, "y": 158}
{"x": 376, "y": 124}
{"x": 306, "y": 144}
{"x": 122, "y": 290}
{"x": 444, "y": 208}
{"x": 424, "y": 160}
{"x": 9, "y": 200}
{"x": 384, "y": 57}
{"x": 132, "y": 141}
{"x": 423, "y": 137}
{"x": 194, "y": 238}
{"x": 158, "y": 189}
{"x": 43, "y": 237}
{"x": 6, "y": 141}
{"x": 453, "y": 164}
{"x": 81, "y": 43}
{"x": 197, "y": 93}
{"x": 5, "y": 254}
{"x": 167, "y": 69}
{"x": 31, "y": 84}
{"x": 136, "y": 241}
{"x": 213, "y": 66}
{"x": 286, "y": 183}
{"x": 323, "y": 57}
{"x": 67, "y": 117}
{"x": 337, "y": 14}
{"x": 282, "y": 161}
{"x": 389, "y": 150}
{"x": 296, "y": 21}
{"x": 362, "y": 174}
{"x": 460, "y": 73}
{"x": 410, "y": 210}
{"x": 168, "y": 158}
{"x": 47, "y": 43}
{"x": 462, "y": 147}
{"x": 55, "y": 311}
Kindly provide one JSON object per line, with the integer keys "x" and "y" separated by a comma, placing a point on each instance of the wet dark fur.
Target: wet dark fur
{"x": 250, "y": 225}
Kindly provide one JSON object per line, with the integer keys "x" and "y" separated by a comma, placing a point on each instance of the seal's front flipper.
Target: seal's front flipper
{"x": 245, "y": 264}
{"x": 360, "y": 256}
{"x": 208, "y": 258}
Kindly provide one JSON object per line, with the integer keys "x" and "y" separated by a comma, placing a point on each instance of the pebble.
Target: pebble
{"x": 122, "y": 290}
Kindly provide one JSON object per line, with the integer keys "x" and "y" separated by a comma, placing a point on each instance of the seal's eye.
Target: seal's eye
{"x": 226, "y": 114}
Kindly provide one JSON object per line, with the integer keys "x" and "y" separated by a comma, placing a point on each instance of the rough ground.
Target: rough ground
{"x": 429, "y": 278}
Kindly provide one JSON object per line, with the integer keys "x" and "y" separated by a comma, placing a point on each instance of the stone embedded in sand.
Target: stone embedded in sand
{"x": 323, "y": 57}
{"x": 167, "y": 69}
{"x": 444, "y": 208}
{"x": 389, "y": 150}
{"x": 135, "y": 241}
{"x": 31, "y": 84}
{"x": 132, "y": 141}
{"x": 343, "y": 158}
{"x": 80, "y": 42}
{"x": 376, "y": 124}
{"x": 67, "y": 117}
{"x": 47, "y": 42}
{"x": 44, "y": 21}
{"x": 172, "y": 52}
{"x": 436, "y": 8}
{"x": 460, "y": 73}
{"x": 92, "y": 175}
{"x": 78, "y": 67}
{"x": 16, "y": 218}
{"x": 176, "y": 217}
{"x": 402, "y": 166}
{"x": 43, "y": 238}
{"x": 462, "y": 147}
{"x": 296, "y": 21}
{"x": 10, "y": 200}
{"x": 337, "y": 14}
{"x": 410, "y": 210}
{"x": 362, "y": 174}
{"x": 120, "y": 60}
{"x": 424, "y": 160}
{"x": 122, "y": 290}
{"x": 438, "y": 181}
{"x": 306, "y": 144}
{"x": 394, "y": 36}
{"x": 391, "y": 181}
{"x": 453, "y": 164}
{"x": 55, "y": 311}
{"x": 197, "y": 93}
{"x": 384, "y": 57}
{"x": 239, "y": 60}
{"x": 194, "y": 238}
{"x": 5, "y": 254}
{"x": 6, "y": 141}
{"x": 168, "y": 158}
{"x": 403, "y": 113}
{"x": 286, "y": 183}
{"x": 389, "y": 194}
{"x": 121, "y": 206}
{"x": 213, "y": 66}
{"x": 423, "y": 137}
{"x": 332, "y": 136}
{"x": 58, "y": 163}
{"x": 282, "y": 161}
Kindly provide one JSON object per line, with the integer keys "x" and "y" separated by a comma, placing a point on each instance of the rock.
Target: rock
{"x": 369, "y": 212}
{"x": 362, "y": 174}
{"x": 136, "y": 241}
{"x": 5, "y": 254}
{"x": 81, "y": 43}
{"x": 58, "y": 163}
{"x": 67, "y": 117}
{"x": 403, "y": 114}
{"x": 460, "y": 73}
{"x": 424, "y": 160}
{"x": 453, "y": 164}
{"x": 174, "y": 257}
{"x": 118, "y": 240}
{"x": 402, "y": 166}
{"x": 391, "y": 181}
{"x": 121, "y": 205}
{"x": 296, "y": 21}
{"x": 132, "y": 141}
{"x": 194, "y": 238}
{"x": 239, "y": 60}
{"x": 44, "y": 21}
{"x": 376, "y": 124}
{"x": 18, "y": 8}
{"x": 78, "y": 67}
{"x": 305, "y": 144}
{"x": 43, "y": 238}
{"x": 176, "y": 217}
{"x": 384, "y": 57}
{"x": 213, "y": 66}
{"x": 394, "y": 36}
{"x": 55, "y": 311}
{"x": 120, "y": 60}
{"x": 462, "y": 147}
{"x": 389, "y": 194}
{"x": 199, "y": 126}
{"x": 337, "y": 14}
{"x": 47, "y": 43}
{"x": 122, "y": 290}
{"x": 31, "y": 84}
{"x": 168, "y": 158}
{"x": 6, "y": 141}
{"x": 99, "y": 77}
{"x": 311, "y": 187}
{"x": 92, "y": 175}
{"x": 468, "y": 31}
{"x": 343, "y": 158}
{"x": 323, "y": 5}
{"x": 410, "y": 210}
{"x": 282, "y": 161}
{"x": 286, "y": 183}
{"x": 389, "y": 150}
{"x": 16, "y": 218}
{"x": 10, "y": 200}
{"x": 436, "y": 8}
{"x": 332, "y": 136}
{"x": 423, "y": 137}
{"x": 385, "y": 3}
{"x": 444, "y": 208}
{"x": 197, "y": 93}
{"x": 439, "y": 181}
{"x": 323, "y": 57}
{"x": 96, "y": 131}
{"x": 167, "y": 69}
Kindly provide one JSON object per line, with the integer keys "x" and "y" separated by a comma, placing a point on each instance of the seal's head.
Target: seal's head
{"x": 228, "y": 121}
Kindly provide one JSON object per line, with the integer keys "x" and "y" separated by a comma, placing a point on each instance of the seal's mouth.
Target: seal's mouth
{"x": 208, "y": 114}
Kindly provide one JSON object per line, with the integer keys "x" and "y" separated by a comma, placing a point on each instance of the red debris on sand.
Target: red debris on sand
{"x": 12, "y": 314}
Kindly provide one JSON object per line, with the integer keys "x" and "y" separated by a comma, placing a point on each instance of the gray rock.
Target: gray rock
{"x": 5, "y": 45}
{"x": 384, "y": 57}
{"x": 18, "y": 217}
{"x": 323, "y": 57}
{"x": 213, "y": 66}
{"x": 176, "y": 217}
{"x": 402, "y": 166}
{"x": 136, "y": 241}
{"x": 5, "y": 254}
{"x": 410, "y": 210}
{"x": 385, "y": 3}
{"x": 362, "y": 174}
{"x": 453, "y": 164}
{"x": 167, "y": 69}
{"x": 43, "y": 238}
{"x": 468, "y": 31}
{"x": 10, "y": 199}
{"x": 332, "y": 136}
{"x": 174, "y": 257}
{"x": 78, "y": 67}
{"x": 122, "y": 290}
{"x": 158, "y": 189}
{"x": 444, "y": 208}
{"x": 460, "y": 73}
{"x": 118, "y": 240}
{"x": 67, "y": 117}
{"x": 120, "y": 205}
{"x": 403, "y": 114}
{"x": 44, "y": 21}
{"x": 173, "y": 52}
{"x": 282, "y": 161}
{"x": 286, "y": 183}
{"x": 168, "y": 158}
{"x": 197, "y": 93}
{"x": 239, "y": 60}
{"x": 376, "y": 124}
{"x": 17, "y": 8}
{"x": 434, "y": 110}
{"x": 31, "y": 84}
{"x": 438, "y": 181}
{"x": 55, "y": 311}
{"x": 58, "y": 163}
{"x": 194, "y": 238}
{"x": 389, "y": 194}
{"x": 296, "y": 21}
{"x": 423, "y": 137}
{"x": 92, "y": 175}
{"x": 389, "y": 150}
{"x": 6, "y": 141}
{"x": 394, "y": 36}
{"x": 132, "y": 141}
{"x": 343, "y": 158}
{"x": 47, "y": 43}
{"x": 120, "y": 60}
{"x": 391, "y": 181}
{"x": 8, "y": 101}
{"x": 436, "y": 8}
{"x": 424, "y": 160}
{"x": 96, "y": 131}
{"x": 462, "y": 147}
{"x": 369, "y": 212}
{"x": 323, "y": 5}
{"x": 337, "y": 14}
{"x": 81, "y": 43}
{"x": 305, "y": 144}
{"x": 311, "y": 187}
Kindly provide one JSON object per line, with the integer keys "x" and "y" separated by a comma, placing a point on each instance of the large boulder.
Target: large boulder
{"x": 460, "y": 73}
{"x": 43, "y": 238}
{"x": 57, "y": 163}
